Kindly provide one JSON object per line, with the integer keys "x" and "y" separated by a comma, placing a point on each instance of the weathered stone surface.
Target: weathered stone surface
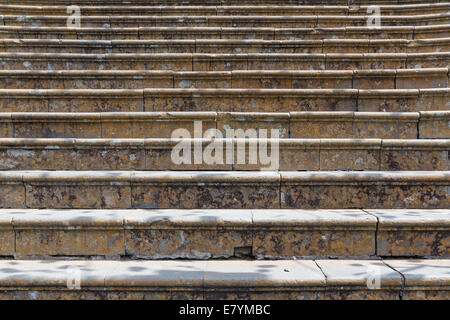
{"x": 321, "y": 124}
{"x": 68, "y": 233}
{"x": 434, "y": 99}
{"x": 434, "y": 124}
{"x": 350, "y": 154}
{"x": 77, "y": 190}
{"x": 389, "y": 100}
{"x": 7, "y": 237}
{"x": 56, "y": 125}
{"x": 190, "y": 190}
{"x": 299, "y": 154}
{"x": 353, "y": 279}
{"x": 422, "y": 78}
{"x": 263, "y": 280}
{"x": 334, "y": 190}
{"x": 313, "y": 233}
{"x": 424, "y": 279}
{"x": 193, "y": 234}
{"x": 252, "y": 120}
{"x": 124, "y": 154}
{"x": 421, "y": 155}
{"x": 283, "y": 154}
{"x": 12, "y": 191}
{"x": 374, "y": 79}
{"x": 385, "y": 125}
{"x": 412, "y": 232}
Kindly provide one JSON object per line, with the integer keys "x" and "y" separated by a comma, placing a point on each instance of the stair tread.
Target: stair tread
{"x": 217, "y": 274}
{"x": 226, "y": 218}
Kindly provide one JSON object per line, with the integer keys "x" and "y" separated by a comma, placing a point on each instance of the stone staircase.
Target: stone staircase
{"x": 94, "y": 206}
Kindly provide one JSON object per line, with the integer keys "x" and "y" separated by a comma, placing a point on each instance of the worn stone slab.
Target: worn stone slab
{"x": 56, "y": 125}
{"x": 37, "y": 154}
{"x": 263, "y": 280}
{"x": 420, "y": 155}
{"x": 193, "y": 234}
{"x": 198, "y": 20}
{"x": 374, "y": 79}
{"x": 389, "y": 100}
{"x": 282, "y": 9}
{"x": 250, "y": 100}
{"x": 347, "y": 124}
{"x": 51, "y": 275}
{"x": 428, "y": 78}
{"x": 72, "y": 100}
{"x": 360, "y": 279}
{"x": 434, "y": 99}
{"x": 313, "y": 233}
{"x": 7, "y": 237}
{"x": 253, "y": 120}
{"x": 156, "y": 280}
{"x": 220, "y": 62}
{"x": 205, "y": 190}
{"x": 350, "y": 154}
{"x": 86, "y": 33}
{"x": 68, "y": 233}
{"x": 434, "y": 124}
{"x": 346, "y": 190}
{"x": 292, "y": 154}
{"x": 72, "y": 189}
{"x": 321, "y": 124}
{"x": 413, "y": 232}
{"x": 424, "y": 279}
{"x": 385, "y": 125}
{"x": 12, "y": 191}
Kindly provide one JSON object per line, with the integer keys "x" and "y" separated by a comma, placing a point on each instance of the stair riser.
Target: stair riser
{"x": 186, "y": 62}
{"x": 226, "y": 22}
{"x": 388, "y": 80}
{"x": 292, "y": 158}
{"x": 168, "y": 234}
{"x": 224, "y": 10}
{"x": 216, "y": 33}
{"x": 268, "y": 196}
{"x": 226, "y": 102}
{"x": 222, "y": 2}
{"x": 185, "y": 242}
{"x": 174, "y": 47}
{"x": 347, "y": 125}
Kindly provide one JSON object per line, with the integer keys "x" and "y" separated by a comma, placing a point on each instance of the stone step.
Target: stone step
{"x": 150, "y": 33}
{"x": 225, "y": 46}
{"x": 194, "y": 234}
{"x": 352, "y": 3}
{"x": 336, "y": 124}
{"x": 236, "y": 154}
{"x": 268, "y": 79}
{"x": 312, "y": 21}
{"x": 222, "y": 189}
{"x": 222, "y": 62}
{"x": 238, "y": 279}
{"x": 258, "y": 10}
{"x": 225, "y": 100}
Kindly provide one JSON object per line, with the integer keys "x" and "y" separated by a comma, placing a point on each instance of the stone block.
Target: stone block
{"x": 192, "y": 234}
{"x": 189, "y": 190}
{"x": 44, "y": 233}
{"x": 313, "y": 233}
{"x": 412, "y": 233}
